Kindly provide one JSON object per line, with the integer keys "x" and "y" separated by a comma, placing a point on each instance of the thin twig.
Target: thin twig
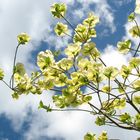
{"x": 12, "y": 77}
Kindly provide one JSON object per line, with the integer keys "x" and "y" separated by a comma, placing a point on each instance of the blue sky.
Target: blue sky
{"x": 21, "y": 120}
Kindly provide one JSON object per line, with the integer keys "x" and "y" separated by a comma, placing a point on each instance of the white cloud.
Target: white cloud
{"x": 119, "y": 3}
{"x": 34, "y": 18}
{"x": 107, "y": 17}
{"x": 102, "y": 9}
{"x": 117, "y": 59}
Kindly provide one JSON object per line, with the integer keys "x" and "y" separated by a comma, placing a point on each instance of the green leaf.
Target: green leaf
{"x": 15, "y": 95}
{"x": 48, "y": 108}
{"x": 125, "y": 118}
{"x": 100, "y": 120}
{"x": 41, "y": 105}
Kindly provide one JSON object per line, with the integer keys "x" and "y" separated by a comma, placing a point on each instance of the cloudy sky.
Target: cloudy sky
{"x": 20, "y": 119}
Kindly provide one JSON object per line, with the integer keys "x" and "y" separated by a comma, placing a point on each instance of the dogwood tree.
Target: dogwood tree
{"x": 82, "y": 68}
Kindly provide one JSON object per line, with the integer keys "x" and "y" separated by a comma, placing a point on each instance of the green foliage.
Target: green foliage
{"x": 100, "y": 120}
{"x": 125, "y": 118}
{"x": 47, "y": 108}
{"x": 82, "y": 67}
{"x": 15, "y": 95}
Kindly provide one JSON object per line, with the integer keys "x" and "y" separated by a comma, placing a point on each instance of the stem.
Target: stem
{"x": 116, "y": 80}
{"x": 130, "y": 102}
{"x": 124, "y": 127}
{"x": 109, "y": 88}
{"x": 102, "y": 62}
{"x": 74, "y": 63}
{"x": 12, "y": 77}
{"x": 55, "y": 90}
{"x": 71, "y": 25}
{"x": 68, "y": 35}
{"x": 6, "y": 84}
{"x": 90, "y": 93}
{"x": 137, "y": 25}
{"x": 98, "y": 92}
{"x": 136, "y": 50}
{"x": 57, "y": 69}
{"x": 92, "y": 87}
{"x": 36, "y": 77}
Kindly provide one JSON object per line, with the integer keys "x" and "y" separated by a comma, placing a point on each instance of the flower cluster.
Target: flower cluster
{"x": 84, "y": 32}
{"x": 23, "y": 38}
